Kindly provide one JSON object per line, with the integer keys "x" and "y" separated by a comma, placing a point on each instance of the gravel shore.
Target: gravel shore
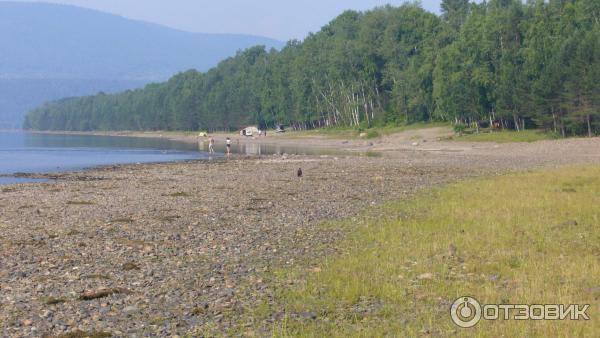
{"x": 185, "y": 248}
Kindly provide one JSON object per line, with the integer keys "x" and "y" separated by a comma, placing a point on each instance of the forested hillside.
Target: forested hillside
{"x": 18, "y": 96}
{"x": 503, "y": 62}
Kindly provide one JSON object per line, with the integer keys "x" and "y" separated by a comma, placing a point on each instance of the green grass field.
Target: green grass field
{"x": 507, "y": 136}
{"x": 531, "y": 238}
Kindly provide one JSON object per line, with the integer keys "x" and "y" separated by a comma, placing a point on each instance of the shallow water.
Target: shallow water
{"x": 271, "y": 149}
{"x": 41, "y": 153}
{"x": 36, "y": 153}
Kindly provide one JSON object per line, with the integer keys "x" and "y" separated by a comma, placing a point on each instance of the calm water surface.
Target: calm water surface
{"x": 37, "y": 153}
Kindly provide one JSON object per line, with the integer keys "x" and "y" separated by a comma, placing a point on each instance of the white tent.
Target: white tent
{"x": 250, "y": 131}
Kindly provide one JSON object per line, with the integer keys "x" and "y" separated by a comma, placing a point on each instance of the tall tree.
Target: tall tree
{"x": 455, "y": 12}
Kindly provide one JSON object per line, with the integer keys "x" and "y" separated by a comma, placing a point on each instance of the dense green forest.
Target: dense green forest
{"x": 501, "y": 63}
{"x": 18, "y": 96}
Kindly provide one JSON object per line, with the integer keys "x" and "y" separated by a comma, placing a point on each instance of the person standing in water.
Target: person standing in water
{"x": 228, "y": 142}
{"x": 211, "y": 146}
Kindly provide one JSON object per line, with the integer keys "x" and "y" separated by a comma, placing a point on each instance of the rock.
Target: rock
{"x": 415, "y": 144}
{"x": 595, "y": 291}
{"x": 129, "y": 310}
{"x": 425, "y": 276}
{"x": 130, "y": 266}
{"x": 308, "y": 315}
{"x": 227, "y": 293}
{"x": 452, "y": 250}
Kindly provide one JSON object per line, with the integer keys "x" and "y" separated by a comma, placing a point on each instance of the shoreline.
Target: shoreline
{"x": 272, "y": 138}
{"x": 133, "y": 249}
{"x": 203, "y": 234}
{"x": 241, "y": 148}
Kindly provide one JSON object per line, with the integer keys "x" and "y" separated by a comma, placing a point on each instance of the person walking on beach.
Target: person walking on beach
{"x": 211, "y": 146}
{"x": 228, "y": 142}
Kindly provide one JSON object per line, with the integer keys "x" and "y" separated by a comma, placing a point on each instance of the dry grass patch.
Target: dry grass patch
{"x": 179, "y": 194}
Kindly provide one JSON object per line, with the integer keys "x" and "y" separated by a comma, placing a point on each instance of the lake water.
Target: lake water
{"x": 36, "y": 153}
{"x": 39, "y": 153}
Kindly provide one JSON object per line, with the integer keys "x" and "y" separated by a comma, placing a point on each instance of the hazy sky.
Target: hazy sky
{"x": 280, "y": 19}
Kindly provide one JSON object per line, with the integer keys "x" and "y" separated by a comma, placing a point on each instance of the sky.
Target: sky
{"x": 280, "y": 19}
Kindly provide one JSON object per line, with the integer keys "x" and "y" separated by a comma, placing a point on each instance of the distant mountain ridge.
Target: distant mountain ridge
{"x": 20, "y": 95}
{"x": 45, "y": 40}
{"x": 40, "y": 41}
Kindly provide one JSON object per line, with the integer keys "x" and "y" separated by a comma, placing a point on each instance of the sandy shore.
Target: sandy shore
{"x": 293, "y": 139}
{"x": 184, "y": 248}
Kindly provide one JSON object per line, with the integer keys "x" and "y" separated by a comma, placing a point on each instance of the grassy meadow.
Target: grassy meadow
{"x": 530, "y": 238}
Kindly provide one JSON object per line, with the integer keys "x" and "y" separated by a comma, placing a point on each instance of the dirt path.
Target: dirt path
{"x": 180, "y": 248}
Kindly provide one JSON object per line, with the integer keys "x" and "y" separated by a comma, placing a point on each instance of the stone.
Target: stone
{"x": 425, "y": 276}
{"x": 129, "y": 310}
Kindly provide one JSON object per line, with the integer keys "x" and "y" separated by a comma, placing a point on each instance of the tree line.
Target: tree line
{"x": 501, "y": 63}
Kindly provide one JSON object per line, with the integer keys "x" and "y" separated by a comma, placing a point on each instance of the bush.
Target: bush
{"x": 460, "y": 128}
{"x": 373, "y": 134}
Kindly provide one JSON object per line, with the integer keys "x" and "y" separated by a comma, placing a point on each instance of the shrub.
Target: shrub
{"x": 460, "y": 128}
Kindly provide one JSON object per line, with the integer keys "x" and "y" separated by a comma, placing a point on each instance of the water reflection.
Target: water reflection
{"x": 254, "y": 149}
{"x": 38, "y": 153}
{"x": 31, "y": 140}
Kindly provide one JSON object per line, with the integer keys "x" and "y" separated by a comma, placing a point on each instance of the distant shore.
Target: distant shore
{"x": 290, "y": 138}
